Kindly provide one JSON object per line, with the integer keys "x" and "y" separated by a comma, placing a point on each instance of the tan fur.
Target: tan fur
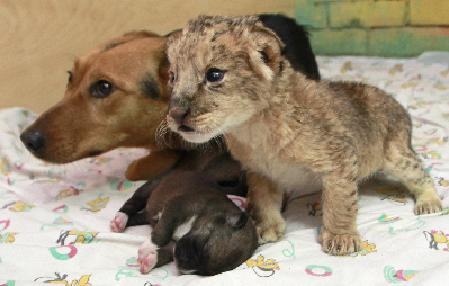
{"x": 288, "y": 131}
{"x": 80, "y": 125}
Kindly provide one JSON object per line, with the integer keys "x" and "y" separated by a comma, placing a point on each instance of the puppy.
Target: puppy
{"x": 213, "y": 235}
{"x": 198, "y": 169}
{"x": 117, "y": 96}
{"x": 230, "y": 76}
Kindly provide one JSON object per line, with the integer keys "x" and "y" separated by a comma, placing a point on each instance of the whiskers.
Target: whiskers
{"x": 163, "y": 134}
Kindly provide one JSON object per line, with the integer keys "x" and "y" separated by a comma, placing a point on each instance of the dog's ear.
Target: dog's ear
{"x": 128, "y": 37}
{"x": 237, "y": 221}
{"x": 265, "y": 51}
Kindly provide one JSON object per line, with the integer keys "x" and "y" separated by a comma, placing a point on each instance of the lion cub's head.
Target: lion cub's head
{"x": 222, "y": 73}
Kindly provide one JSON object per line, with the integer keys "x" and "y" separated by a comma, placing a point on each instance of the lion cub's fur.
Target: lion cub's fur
{"x": 289, "y": 131}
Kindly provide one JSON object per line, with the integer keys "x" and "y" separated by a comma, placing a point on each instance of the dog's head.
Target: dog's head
{"x": 221, "y": 239}
{"x": 222, "y": 71}
{"x": 115, "y": 96}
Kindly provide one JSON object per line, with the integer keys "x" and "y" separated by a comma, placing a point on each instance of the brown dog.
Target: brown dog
{"x": 116, "y": 96}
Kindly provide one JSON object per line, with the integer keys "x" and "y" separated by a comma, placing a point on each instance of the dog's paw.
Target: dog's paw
{"x": 118, "y": 223}
{"x": 428, "y": 206}
{"x": 147, "y": 256}
{"x": 271, "y": 230}
{"x": 339, "y": 244}
{"x": 133, "y": 171}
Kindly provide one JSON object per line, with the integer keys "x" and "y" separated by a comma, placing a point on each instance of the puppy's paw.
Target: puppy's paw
{"x": 118, "y": 223}
{"x": 147, "y": 256}
{"x": 428, "y": 206}
{"x": 271, "y": 229}
{"x": 339, "y": 244}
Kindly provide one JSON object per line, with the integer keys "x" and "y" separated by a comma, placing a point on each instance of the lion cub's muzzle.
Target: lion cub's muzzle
{"x": 180, "y": 116}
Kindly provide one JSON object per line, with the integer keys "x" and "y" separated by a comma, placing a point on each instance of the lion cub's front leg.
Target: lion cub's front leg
{"x": 265, "y": 202}
{"x": 339, "y": 234}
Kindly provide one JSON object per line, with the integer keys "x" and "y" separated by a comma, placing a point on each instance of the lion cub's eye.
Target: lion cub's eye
{"x": 214, "y": 75}
{"x": 171, "y": 77}
{"x": 101, "y": 88}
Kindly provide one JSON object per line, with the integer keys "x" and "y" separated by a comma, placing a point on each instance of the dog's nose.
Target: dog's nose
{"x": 179, "y": 114}
{"x": 33, "y": 140}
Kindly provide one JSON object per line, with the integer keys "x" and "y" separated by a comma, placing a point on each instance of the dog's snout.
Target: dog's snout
{"x": 33, "y": 140}
{"x": 179, "y": 114}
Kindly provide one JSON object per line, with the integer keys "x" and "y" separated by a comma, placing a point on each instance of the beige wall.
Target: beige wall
{"x": 40, "y": 38}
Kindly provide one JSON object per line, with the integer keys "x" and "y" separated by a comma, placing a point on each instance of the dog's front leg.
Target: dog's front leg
{"x": 153, "y": 165}
{"x": 265, "y": 202}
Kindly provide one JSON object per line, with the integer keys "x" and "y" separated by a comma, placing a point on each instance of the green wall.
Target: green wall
{"x": 376, "y": 27}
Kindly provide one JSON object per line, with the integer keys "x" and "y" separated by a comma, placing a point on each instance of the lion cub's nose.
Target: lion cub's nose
{"x": 179, "y": 114}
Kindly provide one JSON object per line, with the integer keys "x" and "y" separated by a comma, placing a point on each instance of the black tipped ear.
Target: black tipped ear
{"x": 237, "y": 221}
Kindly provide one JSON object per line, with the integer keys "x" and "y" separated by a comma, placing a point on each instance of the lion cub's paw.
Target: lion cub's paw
{"x": 271, "y": 230}
{"x": 339, "y": 244}
{"x": 428, "y": 206}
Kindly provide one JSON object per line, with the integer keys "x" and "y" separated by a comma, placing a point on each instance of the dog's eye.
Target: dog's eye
{"x": 214, "y": 75}
{"x": 101, "y": 88}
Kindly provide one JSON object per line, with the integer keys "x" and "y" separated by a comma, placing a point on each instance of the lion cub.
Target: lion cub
{"x": 230, "y": 76}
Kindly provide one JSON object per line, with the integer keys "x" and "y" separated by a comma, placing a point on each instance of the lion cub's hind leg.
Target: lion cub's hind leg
{"x": 402, "y": 163}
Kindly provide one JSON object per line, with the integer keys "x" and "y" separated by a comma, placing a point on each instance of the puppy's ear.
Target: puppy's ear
{"x": 265, "y": 51}
{"x": 237, "y": 221}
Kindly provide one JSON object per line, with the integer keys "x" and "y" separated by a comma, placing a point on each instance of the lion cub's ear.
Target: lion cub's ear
{"x": 264, "y": 51}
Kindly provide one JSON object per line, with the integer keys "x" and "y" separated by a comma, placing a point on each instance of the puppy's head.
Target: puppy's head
{"x": 220, "y": 240}
{"x": 222, "y": 72}
{"x": 115, "y": 96}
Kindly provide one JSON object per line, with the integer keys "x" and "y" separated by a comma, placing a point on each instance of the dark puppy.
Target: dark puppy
{"x": 213, "y": 235}
{"x": 212, "y": 168}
